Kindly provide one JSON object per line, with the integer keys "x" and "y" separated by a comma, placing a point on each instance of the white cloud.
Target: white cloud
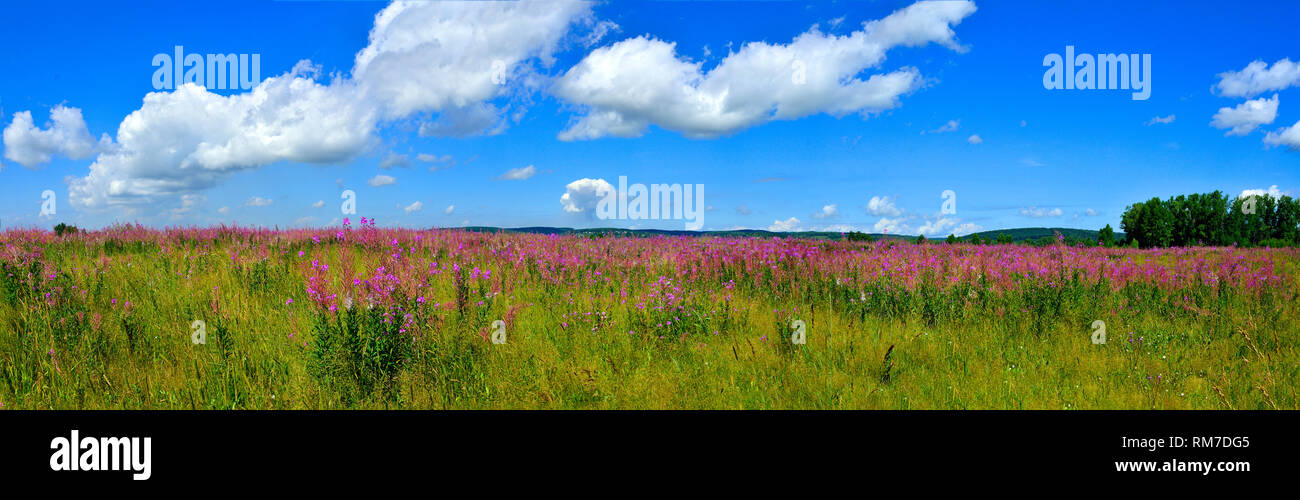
{"x": 394, "y": 160}
{"x": 582, "y": 195}
{"x": 897, "y": 225}
{"x": 318, "y": 204}
{"x": 382, "y": 180}
{"x": 1246, "y": 116}
{"x": 780, "y": 226}
{"x": 518, "y": 174}
{"x": 258, "y": 201}
{"x": 65, "y": 135}
{"x": 1090, "y": 212}
{"x": 423, "y": 59}
{"x": 883, "y": 205}
{"x": 743, "y": 210}
{"x": 1272, "y": 191}
{"x": 1289, "y": 137}
{"x": 1257, "y": 78}
{"x": 1160, "y": 119}
{"x": 1038, "y": 213}
{"x": 951, "y": 126}
{"x": 450, "y": 209}
{"x": 223, "y": 210}
{"x": 975, "y": 139}
{"x": 632, "y": 84}
{"x": 414, "y": 207}
{"x": 943, "y": 226}
{"x": 827, "y": 212}
{"x": 428, "y": 158}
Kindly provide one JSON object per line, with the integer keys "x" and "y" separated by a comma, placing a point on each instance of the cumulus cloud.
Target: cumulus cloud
{"x": 884, "y": 206}
{"x": 827, "y": 212}
{"x": 414, "y": 207}
{"x": 1160, "y": 119}
{"x": 1247, "y": 116}
{"x": 781, "y": 226}
{"x": 630, "y": 85}
{"x": 382, "y": 180}
{"x": 1257, "y": 78}
{"x": 257, "y": 201}
{"x": 975, "y": 139}
{"x": 450, "y": 209}
{"x": 65, "y": 135}
{"x": 1039, "y": 213}
{"x": 1289, "y": 137}
{"x": 1090, "y": 212}
{"x": 318, "y": 204}
{"x": 448, "y": 59}
{"x": 1272, "y": 191}
{"x": 582, "y": 195}
{"x": 518, "y": 174}
{"x": 897, "y": 225}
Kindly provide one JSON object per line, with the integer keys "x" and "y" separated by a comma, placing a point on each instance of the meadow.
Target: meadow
{"x": 364, "y": 317}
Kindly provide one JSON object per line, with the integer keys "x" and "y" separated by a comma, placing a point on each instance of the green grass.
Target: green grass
{"x": 958, "y": 348}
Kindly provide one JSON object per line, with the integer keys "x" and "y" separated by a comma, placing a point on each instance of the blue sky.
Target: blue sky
{"x": 770, "y": 155}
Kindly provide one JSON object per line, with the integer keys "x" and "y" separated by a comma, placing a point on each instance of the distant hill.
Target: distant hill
{"x": 1018, "y": 234}
{"x": 1033, "y": 233}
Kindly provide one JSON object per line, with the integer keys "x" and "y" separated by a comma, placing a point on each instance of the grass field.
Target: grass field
{"x": 361, "y": 317}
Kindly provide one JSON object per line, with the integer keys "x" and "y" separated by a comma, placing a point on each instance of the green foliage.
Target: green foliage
{"x": 1106, "y": 237}
{"x": 1210, "y": 219}
{"x": 62, "y": 229}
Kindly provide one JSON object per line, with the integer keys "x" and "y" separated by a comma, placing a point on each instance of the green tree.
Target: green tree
{"x": 1005, "y": 239}
{"x": 952, "y": 239}
{"x": 1106, "y": 237}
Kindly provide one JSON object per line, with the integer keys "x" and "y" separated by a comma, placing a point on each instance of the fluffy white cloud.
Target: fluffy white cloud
{"x": 257, "y": 201}
{"x": 456, "y": 55}
{"x": 634, "y": 83}
{"x": 975, "y": 139}
{"x": 65, "y": 135}
{"x": 518, "y": 174}
{"x": 884, "y": 206}
{"x": 780, "y": 226}
{"x": 943, "y": 226}
{"x": 897, "y": 225}
{"x": 318, "y": 204}
{"x": 450, "y": 209}
{"x": 582, "y": 195}
{"x": 1160, "y": 119}
{"x": 1038, "y": 213}
{"x": 1289, "y": 137}
{"x": 382, "y": 180}
{"x": 1272, "y": 191}
{"x": 423, "y": 58}
{"x": 1090, "y": 212}
{"x": 414, "y": 207}
{"x": 1246, "y": 116}
{"x": 1257, "y": 78}
{"x": 828, "y": 212}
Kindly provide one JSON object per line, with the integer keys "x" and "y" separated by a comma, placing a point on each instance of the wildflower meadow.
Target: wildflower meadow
{"x": 358, "y": 316}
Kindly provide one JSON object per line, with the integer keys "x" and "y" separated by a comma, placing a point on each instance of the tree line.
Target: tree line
{"x": 1213, "y": 219}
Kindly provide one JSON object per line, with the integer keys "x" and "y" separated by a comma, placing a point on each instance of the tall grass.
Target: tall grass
{"x": 360, "y": 317}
